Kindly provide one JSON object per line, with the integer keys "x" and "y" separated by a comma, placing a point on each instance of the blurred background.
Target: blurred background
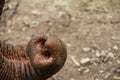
{"x": 89, "y": 28}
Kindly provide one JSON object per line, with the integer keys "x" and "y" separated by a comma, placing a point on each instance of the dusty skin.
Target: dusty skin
{"x": 93, "y": 41}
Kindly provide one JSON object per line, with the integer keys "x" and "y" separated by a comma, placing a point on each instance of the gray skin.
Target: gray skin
{"x": 42, "y": 57}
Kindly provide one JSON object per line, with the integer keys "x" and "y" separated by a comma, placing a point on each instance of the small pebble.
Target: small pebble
{"x": 9, "y": 31}
{"x": 24, "y": 29}
{"x": 114, "y": 38}
{"x": 85, "y": 61}
{"x": 35, "y": 12}
{"x": 75, "y": 61}
{"x": 101, "y": 71}
{"x": 97, "y": 53}
{"x": 116, "y": 77}
{"x": 103, "y": 53}
{"x": 118, "y": 61}
{"x": 68, "y": 44}
{"x": 28, "y": 38}
{"x": 110, "y": 55}
{"x": 1, "y": 33}
{"x": 115, "y": 47}
{"x": 72, "y": 79}
{"x": 87, "y": 70}
{"x": 86, "y": 49}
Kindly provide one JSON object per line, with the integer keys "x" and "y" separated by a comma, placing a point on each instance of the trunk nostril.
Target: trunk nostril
{"x": 47, "y": 54}
{"x": 42, "y": 42}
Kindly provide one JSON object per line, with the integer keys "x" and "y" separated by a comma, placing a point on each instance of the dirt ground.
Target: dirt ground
{"x": 93, "y": 43}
